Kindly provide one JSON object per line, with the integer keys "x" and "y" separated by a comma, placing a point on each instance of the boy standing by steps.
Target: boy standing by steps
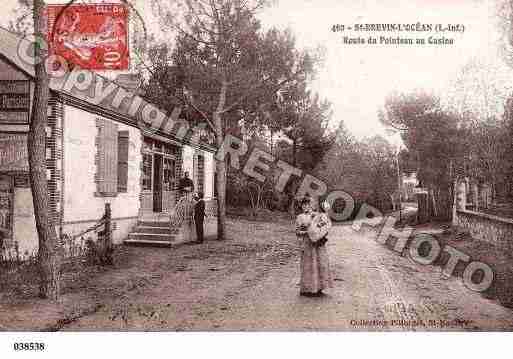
{"x": 199, "y": 217}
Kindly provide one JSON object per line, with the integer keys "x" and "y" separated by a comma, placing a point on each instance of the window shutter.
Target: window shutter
{"x": 107, "y": 176}
{"x": 123, "y": 143}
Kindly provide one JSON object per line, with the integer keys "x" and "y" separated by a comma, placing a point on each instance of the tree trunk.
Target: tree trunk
{"x": 49, "y": 254}
{"x": 435, "y": 208}
{"x": 454, "y": 212}
{"x": 221, "y": 195}
{"x": 493, "y": 187}
{"x": 272, "y": 143}
{"x": 221, "y": 164}
{"x": 294, "y": 186}
{"x": 292, "y": 204}
{"x": 294, "y": 151}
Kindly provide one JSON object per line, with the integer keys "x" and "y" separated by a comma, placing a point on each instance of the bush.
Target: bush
{"x": 258, "y": 214}
{"x": 99, "y": 253}
{"x": 18, "y": 275}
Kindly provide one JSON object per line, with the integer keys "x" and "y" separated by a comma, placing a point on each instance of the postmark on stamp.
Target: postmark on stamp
{"x": 91, "y": 36}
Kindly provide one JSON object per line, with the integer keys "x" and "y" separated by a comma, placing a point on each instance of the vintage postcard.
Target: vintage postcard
{"x": 229, "y": 165}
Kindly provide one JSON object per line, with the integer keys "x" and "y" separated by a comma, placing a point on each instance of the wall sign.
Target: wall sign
{"x": 6, "y": 207}
{"x": 14, "y": 102}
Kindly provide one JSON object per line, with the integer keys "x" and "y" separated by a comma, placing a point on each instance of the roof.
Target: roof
{"x": 127, "y": 111}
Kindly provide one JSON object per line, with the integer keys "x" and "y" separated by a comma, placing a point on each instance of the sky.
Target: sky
{"x": 357, "y": 78}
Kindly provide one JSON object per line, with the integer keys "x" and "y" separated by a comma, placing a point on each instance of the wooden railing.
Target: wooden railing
{"x": 183, "y": 210}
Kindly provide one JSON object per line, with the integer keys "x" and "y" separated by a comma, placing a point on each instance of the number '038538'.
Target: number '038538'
{"x": 29, "y": 346}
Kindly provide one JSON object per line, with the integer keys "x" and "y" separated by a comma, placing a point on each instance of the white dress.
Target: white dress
{"x": 314, "y": 266}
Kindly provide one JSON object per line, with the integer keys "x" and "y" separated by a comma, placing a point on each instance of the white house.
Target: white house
{"x": 96, "y": 154}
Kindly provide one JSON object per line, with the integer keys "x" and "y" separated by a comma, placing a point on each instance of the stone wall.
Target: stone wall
{"x": 493, "y": 229}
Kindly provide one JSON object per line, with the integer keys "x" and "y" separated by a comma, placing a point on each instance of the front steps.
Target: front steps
{"x": 155, "y": 233}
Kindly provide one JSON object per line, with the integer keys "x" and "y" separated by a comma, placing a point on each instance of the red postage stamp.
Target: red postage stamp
{"x": 91, "y": 36}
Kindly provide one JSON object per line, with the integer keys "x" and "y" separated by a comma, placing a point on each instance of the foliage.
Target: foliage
{"x": 504, "y": 15}
{"x": 247, "y": 191}
{"x": 23, "y": 23}
{"x": 20, "y": 272}
{"x": 381, "y": 171}
{"x": 435, "y": 137}
{"x": 506, "y": 155}
{"x": 305, "y": 125}
{"x": 223, "y": 67}
{"x": 448, "y": 145}
{"x": 365, "y": 169}
{"x": 221, "y": 42}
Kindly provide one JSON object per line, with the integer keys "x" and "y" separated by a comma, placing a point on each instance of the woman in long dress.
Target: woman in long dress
{"x": 182, "y": 218}
{"x": 189, "y": 227}
{"x": 314, "y": 266}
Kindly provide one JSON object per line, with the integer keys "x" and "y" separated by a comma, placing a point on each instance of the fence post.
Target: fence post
{"x": 423, "y": 207}
{"x": 108, "y": 250}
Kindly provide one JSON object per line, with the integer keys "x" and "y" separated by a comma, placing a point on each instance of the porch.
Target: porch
{"x": 161, "y": 211}
{"x": 167, "y": 228}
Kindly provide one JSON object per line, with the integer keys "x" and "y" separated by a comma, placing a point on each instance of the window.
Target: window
{"x": 199, "y": 172}
{"x": 169, "y": 174}
{"x": 146, "y": 172}
{"x": 123, "y": 144}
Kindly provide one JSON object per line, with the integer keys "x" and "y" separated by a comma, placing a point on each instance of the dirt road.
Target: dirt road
{"x": 249, "y": 282}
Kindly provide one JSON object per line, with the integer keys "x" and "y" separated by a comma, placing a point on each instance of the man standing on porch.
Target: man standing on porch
{"x": 185, "y": 185}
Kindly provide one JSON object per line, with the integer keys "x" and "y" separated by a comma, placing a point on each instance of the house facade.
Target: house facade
{"x": 96, "y": 154}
